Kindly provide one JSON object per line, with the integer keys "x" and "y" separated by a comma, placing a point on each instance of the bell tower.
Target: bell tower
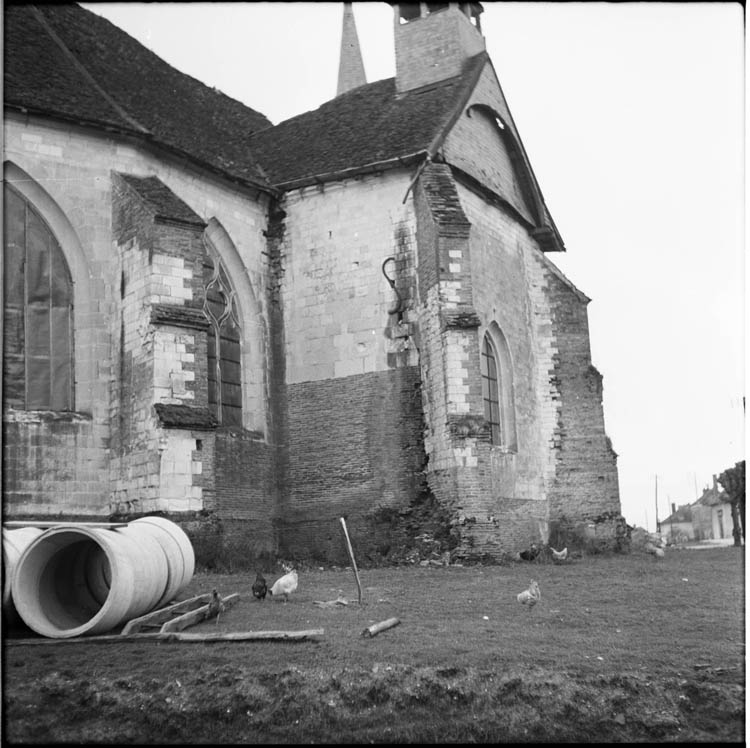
{"x": 433, "y": 40}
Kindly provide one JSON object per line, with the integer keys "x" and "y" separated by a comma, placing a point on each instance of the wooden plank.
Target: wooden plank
{"x": 175, "y": 637}
{"x": 196, "y": 616}
{"x": 158, "y": 617}
{"x": 51, "y": 523}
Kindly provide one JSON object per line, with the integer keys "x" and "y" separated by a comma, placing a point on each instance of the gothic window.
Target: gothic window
{"x": 38, "y": 312}
{"x": 224, "y": 360}
{"x": 497, "y": 389}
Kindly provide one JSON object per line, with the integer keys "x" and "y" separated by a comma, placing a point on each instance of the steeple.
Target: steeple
{"x": 351, "y": 68}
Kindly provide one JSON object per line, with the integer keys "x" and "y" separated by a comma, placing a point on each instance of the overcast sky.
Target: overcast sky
{"x": 632, "y": 117}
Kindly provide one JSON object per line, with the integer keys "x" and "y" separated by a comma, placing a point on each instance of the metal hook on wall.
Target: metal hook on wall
{"x": 397, "y": 308}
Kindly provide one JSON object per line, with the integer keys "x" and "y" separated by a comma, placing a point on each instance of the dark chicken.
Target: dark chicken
{"x": 259, "y": 587}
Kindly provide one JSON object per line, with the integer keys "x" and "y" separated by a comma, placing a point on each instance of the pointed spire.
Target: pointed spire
{"x": 351, "y": 68}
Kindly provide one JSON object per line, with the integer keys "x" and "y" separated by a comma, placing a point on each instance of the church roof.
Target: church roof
{"x": 65, "y": 61}
{"x": 369, "y": 126}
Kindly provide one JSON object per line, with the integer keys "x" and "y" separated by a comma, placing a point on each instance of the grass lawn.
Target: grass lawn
{"x": 620, "y": 648}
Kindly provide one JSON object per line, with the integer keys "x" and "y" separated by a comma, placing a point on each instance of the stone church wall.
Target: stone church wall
{"x": 354, "y": 408}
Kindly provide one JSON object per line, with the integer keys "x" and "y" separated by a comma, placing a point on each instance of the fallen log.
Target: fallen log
{"x": 376, "y": 628}
{"x": 173, "y": 636}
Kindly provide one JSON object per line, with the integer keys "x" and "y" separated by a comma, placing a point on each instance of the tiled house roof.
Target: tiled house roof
{"x": 682, "y": 514}
{"x": 66, "y": 61}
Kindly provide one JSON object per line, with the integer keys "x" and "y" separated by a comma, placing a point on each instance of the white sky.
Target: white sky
{"x": 632, "y": 115}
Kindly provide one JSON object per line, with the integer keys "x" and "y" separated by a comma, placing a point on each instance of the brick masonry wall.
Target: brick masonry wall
{"x": 434, "y": 48}
{"x": 586, "y": 481}
{"x": 355, "y": 447}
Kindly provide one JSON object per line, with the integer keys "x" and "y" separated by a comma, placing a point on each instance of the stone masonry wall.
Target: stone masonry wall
{"x": 59, "y": 464}
{"x": 586, "y": 482}
{"x": 353, "y": 421}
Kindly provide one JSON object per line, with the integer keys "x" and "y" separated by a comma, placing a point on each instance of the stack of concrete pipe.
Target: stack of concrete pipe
{"x": 78, "y": 579}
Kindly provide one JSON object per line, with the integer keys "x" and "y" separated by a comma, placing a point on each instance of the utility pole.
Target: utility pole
{"x": 656, "y": 501}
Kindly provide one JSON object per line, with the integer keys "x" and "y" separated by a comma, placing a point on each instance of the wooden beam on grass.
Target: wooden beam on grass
{"x": 376, "y": 628}
{"x": 196, "y": 616}
{"x": 176, "y": 637}
{"x": 351, "y": 556}
{"x": 162, "y": 615}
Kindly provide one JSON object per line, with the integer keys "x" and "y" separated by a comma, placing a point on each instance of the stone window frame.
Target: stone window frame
{"x": 44, "y": 334}
{"x": 225, "y": 329}
{"x": 85, "y": 301}
{"x": 502, "y": 422}
{"x": 252, "y": 324}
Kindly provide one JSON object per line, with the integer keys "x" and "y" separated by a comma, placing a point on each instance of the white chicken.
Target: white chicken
{"x": 559, "y": 556}
{"x": 531, "y": 596}
{"x": 654, "y": 550}
{"x": 285, "y": 585}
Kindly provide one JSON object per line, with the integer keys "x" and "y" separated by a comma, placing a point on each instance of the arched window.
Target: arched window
{"x": 38, "y": 312}
{"x": 497, "y": 389}
{"x": 224, "y": 353}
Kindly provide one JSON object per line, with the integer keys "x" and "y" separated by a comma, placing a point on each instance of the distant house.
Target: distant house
{"x": 678, "y": 527}
{"x": 712, "y": 514}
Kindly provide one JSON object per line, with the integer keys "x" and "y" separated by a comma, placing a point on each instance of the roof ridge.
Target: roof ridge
{"x": 84, "y": 71}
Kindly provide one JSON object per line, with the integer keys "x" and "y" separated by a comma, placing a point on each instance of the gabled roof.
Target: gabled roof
{"x": 165, "y": 204}
{"x": 681, "y": 514}
{"x": 369, "y": 126}
{"x": 64, "y": 61}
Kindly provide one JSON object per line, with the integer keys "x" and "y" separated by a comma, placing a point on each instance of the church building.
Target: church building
{"x": 256, "y": 329}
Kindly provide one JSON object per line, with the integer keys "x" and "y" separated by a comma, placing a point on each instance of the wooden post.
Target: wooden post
{"x": 354, "y": 563}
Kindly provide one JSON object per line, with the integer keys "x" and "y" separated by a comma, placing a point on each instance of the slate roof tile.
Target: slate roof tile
{"x": 366, "y": 125}
{"x": 129, "y": 86}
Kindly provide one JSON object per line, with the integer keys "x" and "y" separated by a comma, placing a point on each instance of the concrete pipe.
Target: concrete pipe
{"x": 177, "y": 548}
{"x": 14, "y": 544}
{"x": 74, "y": 581}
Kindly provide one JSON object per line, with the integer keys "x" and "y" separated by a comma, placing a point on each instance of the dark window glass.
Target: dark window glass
{"x": 38, "y": 312}
{"x": 224, "y": 352}
{"x": 491, "y": 390}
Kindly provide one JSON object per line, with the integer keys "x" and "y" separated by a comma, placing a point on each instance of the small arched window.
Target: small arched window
{"x": 497, "y": 389}
{"x": 224, "y": 352}
{"x": 38, "y": 312}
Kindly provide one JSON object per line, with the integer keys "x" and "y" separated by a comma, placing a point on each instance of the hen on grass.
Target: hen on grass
{"x": 285, "y": 585}
{"x": 529, "y": 554}
{"x": 259, "y": 587}
{"x": 530, "y": 596}
{"x": 215, "y": 606}
{"x": 559, "y": 555}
